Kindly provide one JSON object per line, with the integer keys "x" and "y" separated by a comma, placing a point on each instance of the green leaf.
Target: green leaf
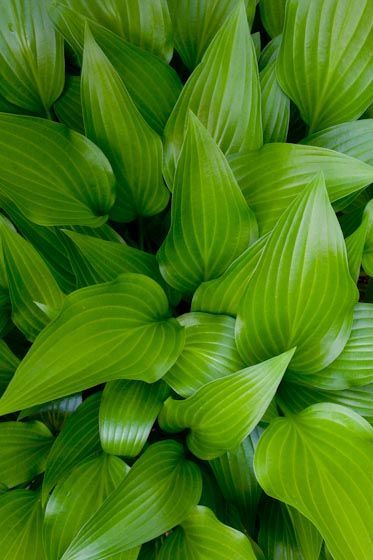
{"x": 273, "y": 176}
{"x": 114, "y": 123}
{"x": 327, "y": 450}
{"x": 8, "y": 365}
{"x": 152, "y": 84}
{"x": 359, "y": 245}
{"x": 62, "y": 177}
{"x": 156, "y": 495}
{"x": 224, "y": 93}
{"x": 21, "y": 521}
{"x": 24, "y": 449}
{"x": 201, "y": 535}
{"x": 210, "y": 352}
{"x": 221, "y": 414}
{"x": 210, "y": 222}
{"x": 145, "y": 24}
{"x": 324, "y": 61}
{"x": 31, "y": 56}
{"x": 55, "y": 413}
{"x": 117, "y": 330}
{"x": 68, "y": 107}
{"x": 78, "y": 440}
{"x": 5, "y": 310}
{"x": 224, "y": 294}
{"x": 354, "y": 366}
{"x": 127, "y": 413}
{"x": 34, "y": 293}
{"x": 78, "y": 497}
{"x": 275, "y": 106}
{"x": 301, "y": 293}
{"x": 272, "y": 14}
{"x": 270, "y": 52}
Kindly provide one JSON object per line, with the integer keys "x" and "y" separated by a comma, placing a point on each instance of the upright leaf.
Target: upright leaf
{"x": 301, "y": 293}
{"x": 120, "y": 329}
{"x": 275, "y": 106}
{"x": 8, "y": 365}
{"x": 272, "y": 14}
{"x": 210, "y": 221}
{"x": 324, "y": 63}
{"x": 359, "y": 245}
{"x": 68, "y": 107}
{"x": 328, "y": 450}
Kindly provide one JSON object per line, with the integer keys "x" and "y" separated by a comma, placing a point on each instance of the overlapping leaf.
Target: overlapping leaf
{"x": 272, "y": 13}
{"x": 303, "y": 270}
{"x": 221, "y": 414}
{"x": 328, "y": 450}
{"x": 120, "y": 329}
{"x": 8, "y": 365}
{"x": 68, "y": 107}
{"x": 275, "y": 106}
{"x": 360, "y": 245}
{"x": 55, "y": 413}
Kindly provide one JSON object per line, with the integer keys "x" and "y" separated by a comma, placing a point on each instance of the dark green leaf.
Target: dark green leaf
{"x": 68, "y": 107}
{"x": 272, "y": 13}
{"x": 55, "y": 413}
{"x": 8, "y": 365}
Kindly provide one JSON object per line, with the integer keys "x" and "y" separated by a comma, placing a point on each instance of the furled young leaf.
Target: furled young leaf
{"x": 156, "y": 495}
{"x": 78, "y": 440}
{"x": 152, "y": 84}
{"x": 275, "y": 106}
{"x": 68, "y": 107}
{"x": 127, "y": 413}
{"x": 62, "y": 178}
{"x": 114, "y": 123}
{"x": 34, "y": 293}
{"x": 21, "y": 521}
{"x": 55, "y": 413}
{"x": 120, "y": 329}
{"x": 227, "y": 83}
{"x": 224, "y": 294}
{"x": 221, "y": 414}
{"x": 324, "y": 63}
{"x": 301, "y": 293}
{"x": 210, "y": 352}
{"x": 328, "y": 451}
{"x": 272, "y": 13}
{"x": 210, "y": 222}
{"x": 359, "y": 245}
{"x": 75, "y": 499}
{"x": 31, "y": 56}
{"x": 24, "y": 449}
{"x": 354, "y": 366}
{"x": 8, "y": 365}
{"x": 145, "y": 24}
{"x": 273, "y": 176}
{"x": 201, "y": 535}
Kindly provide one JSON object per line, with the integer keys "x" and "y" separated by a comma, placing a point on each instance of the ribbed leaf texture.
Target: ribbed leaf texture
{"x": 68, "y": 107}
{"x": 275, "y": 106}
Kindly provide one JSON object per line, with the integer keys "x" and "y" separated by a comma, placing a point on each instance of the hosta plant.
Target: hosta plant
{"x": 186, "y": 293}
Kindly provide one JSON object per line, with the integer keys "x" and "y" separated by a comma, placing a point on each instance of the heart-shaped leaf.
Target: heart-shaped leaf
{"x": 127, "y": 413}
{"x": 275, "y": 106}
{"x": 114, "y": 123}
{"x": 8, "y": 365}
{"x": 221, "y": 414}
{"x": 210, "y": 222}
{"x": 272, "y": 13}
{"x": 210, "y": 352}
{"x": 328, "y": 450}
{"x": 68, "y": 107}
{"x": 31, "y": 56}
{"x": 201, "y": 535}
{"x": 303, "y": 269}
{"x": 62, "y": 177}
{"x": 324, "y": 63}
{"x": 226, "y": 82}
{"x": 120, "y": 329}
{"x": 156, "y": 495}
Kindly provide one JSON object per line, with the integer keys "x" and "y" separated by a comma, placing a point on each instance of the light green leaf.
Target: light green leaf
{"x": 359, "y": 245}
{"x": 24, "y": 449}
{"x": 34, "y": 293}
{"x": 275, "y": 106}
{"x": 31, "y": 56}
{"x": 273, "y": 176}
{"x": 78, "y": 497}
{"x": 224, "y": 93}
{"x": 117, "y": 330}
{"x": 210, "y": 352}
{"x": 328, "y": 451}
{"x": 354, "y": 366}
{"x": 127, "y": 413}
{"x": 55, "y": 413}
{"x": 134, "y": 149}
{"x": 270, "y": 52}
{"x": 62, "y": 178}
{"x": 21, "y": 521}
{"x": 152, "y": 84}
{"x": 156, "y": 495}
{"x": 210, "y": 222}
{"x": 257, "y": 42}
{"x": 324, "y": 64}
{"x": 78, "y": 440}
{"x": 221, "y": 414}
{"x": 272, "y": 14}
{"x": 303, "y": 269}
{"x": 68, "y": 107}
{"x": 8, "y": 365}
{"x": 201, "y": 535}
